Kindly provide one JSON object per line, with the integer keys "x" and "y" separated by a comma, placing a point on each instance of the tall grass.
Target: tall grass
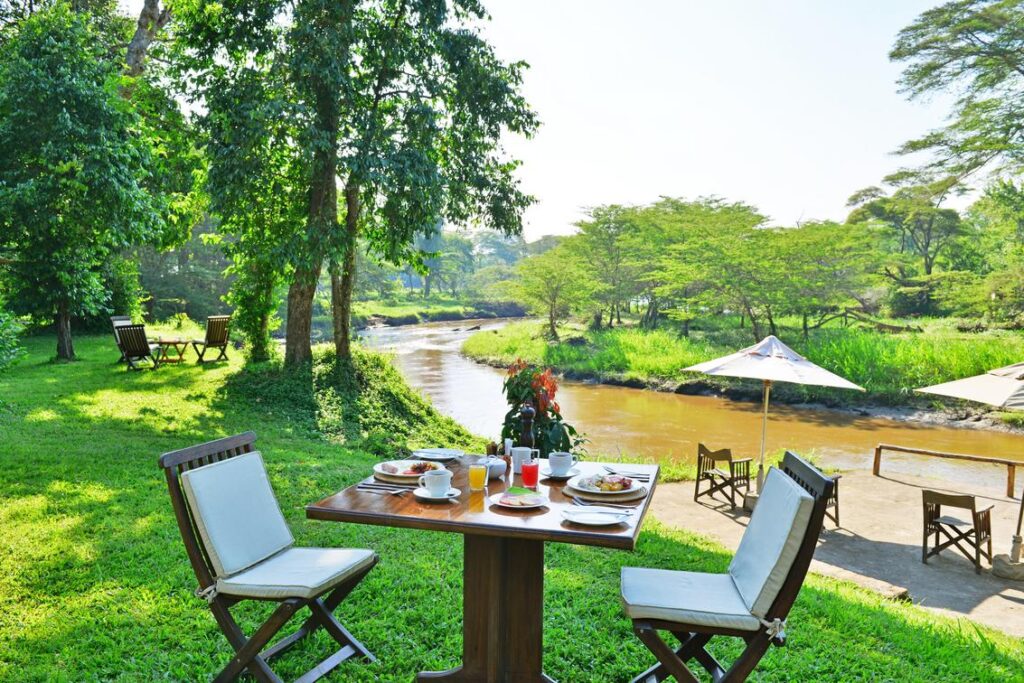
{"x": 888, "y": 366}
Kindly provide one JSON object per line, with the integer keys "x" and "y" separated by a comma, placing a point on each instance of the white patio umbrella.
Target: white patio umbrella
{"x": 1002, "y": 388}
{"x": 771, "y": 361}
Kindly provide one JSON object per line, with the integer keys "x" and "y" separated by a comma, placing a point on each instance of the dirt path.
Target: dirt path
{"x": 879, "y": 543}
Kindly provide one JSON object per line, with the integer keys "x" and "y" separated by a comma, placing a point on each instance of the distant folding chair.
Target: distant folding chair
{"x": 136, "y": 348}
{"x": 217, "y": 330}
{"x": 973, "y": 539}
{"x": 119, "y": 321}
{"x": 722, "y": 473}
{"x": 241, "y": 548}
{"x": 751, "y": 601}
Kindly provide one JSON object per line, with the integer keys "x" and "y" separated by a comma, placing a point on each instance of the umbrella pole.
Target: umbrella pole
{"x": 1015, "y": 546}
{"x": 764, "y": 434}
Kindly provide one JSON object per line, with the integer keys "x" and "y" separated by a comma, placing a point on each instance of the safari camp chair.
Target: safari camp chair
{"x": 136, "y": 348}
{"x": 119, "y": 321}
{"x": 722, "y": 473}
{"x": 832, "y": 508}
{"x": 217, "y": 329}
{"x": 973, "y": 539}
{"x": 241, "y": 549}
{"x": 751, "y": 601}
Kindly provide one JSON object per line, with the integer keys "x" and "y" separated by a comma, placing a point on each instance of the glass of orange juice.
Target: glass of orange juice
{"x": 477, "y": 476}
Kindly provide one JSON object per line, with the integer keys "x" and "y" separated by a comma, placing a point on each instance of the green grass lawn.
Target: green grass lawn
{"x": 889, "y": 366}
{"x": 95, "y": 585}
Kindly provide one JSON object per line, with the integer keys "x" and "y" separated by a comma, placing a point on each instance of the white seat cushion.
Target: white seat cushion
{"x": 685, "y": 597}
{"x": 236, "y": 512}
{"x": 771, "y": 541}
{"x": 297, "y": 573}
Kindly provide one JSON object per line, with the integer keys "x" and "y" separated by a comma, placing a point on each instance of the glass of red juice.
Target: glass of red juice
{"x": 530, "y": 473}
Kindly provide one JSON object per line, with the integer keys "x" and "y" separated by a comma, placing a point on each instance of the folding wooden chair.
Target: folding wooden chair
{"x": 722, "y": 473}
{"x": 241, "y": 549}
{"x": 217, "y": 331}
{"x": 973, "y": 539}
{"x": 119, "y": 321}
{"x": 751, "y": 601}
{"x": 136, "y": 347}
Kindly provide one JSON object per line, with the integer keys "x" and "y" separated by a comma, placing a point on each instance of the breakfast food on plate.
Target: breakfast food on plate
{"x": 414, "y": 468}
{"x": 420, "y": 467}
{"x": 611, "y": 482}
{"x": 521, "y": 497}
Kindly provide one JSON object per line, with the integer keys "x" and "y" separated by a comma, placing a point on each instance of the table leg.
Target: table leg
{"x": 503, "y": 613}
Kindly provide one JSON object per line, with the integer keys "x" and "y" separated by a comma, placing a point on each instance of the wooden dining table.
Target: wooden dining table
{"x": 503, "y": 564}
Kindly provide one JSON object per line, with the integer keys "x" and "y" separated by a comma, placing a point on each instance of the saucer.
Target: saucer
{"x": 423, "y": 494}
{"x": 546, "y": 473}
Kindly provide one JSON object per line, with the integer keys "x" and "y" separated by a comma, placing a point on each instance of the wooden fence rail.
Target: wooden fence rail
{"x": 1011, "y": 465}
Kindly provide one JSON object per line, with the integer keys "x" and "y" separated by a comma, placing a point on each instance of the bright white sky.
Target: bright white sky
{"x": 789, "y": 105}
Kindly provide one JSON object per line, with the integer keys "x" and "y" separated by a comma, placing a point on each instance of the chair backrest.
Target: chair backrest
{"x": 724, "y": 454}
{"x": 133, "y": 340}
{"x": 119, "y": 321}
{"x": 217, "y": 330}
{"x": 174, "y": 464}
{"x": 934, "y": 500}
{"x": 776, "y": 550}
{"x": 236, "y": 513}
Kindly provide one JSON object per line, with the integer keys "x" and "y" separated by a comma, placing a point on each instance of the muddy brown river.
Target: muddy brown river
{"x": 669, "y": 426}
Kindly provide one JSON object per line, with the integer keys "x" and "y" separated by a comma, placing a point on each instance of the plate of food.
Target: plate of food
{"x": 519, "y": 498}
{"x": 439, "y": 454}
{"x": 410, "y": 469}
{"x": 604, "y": 484}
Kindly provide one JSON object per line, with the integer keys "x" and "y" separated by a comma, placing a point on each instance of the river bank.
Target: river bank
{"x": 628, "y": 357}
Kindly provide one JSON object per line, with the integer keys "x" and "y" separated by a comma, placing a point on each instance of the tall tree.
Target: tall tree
{"x": 974, "y": 48}
{"x": 72, "y": 166}
{"x": 399, "y": 101}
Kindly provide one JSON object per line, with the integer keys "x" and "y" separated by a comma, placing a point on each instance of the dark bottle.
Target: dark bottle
{"x": 526, "y": 415}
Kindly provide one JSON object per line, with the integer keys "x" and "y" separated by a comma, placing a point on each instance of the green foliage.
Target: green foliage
{"x": 971, "y": 48}
{"x": 10, "y": 331}
{"x": 889, "y": 366}
{"x": 71, "y": 168}
{"x": 554, "y": 284}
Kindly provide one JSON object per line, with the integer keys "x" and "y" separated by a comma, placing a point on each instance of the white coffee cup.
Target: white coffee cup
{"x": 520, "y": 454}
{"x": 560, "y": 462}
{"x": 437, "y": 482}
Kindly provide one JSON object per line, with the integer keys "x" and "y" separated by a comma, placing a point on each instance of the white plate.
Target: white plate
{"x": 496, "y": 500}
{"x": 424, "y": 494}
{"x": 577, "y": 483}
{"x": 441, "y": 454}
{"x": 402, "y": 465}
{"x": 546, "y": 473}
{"x": 591, "y": 518}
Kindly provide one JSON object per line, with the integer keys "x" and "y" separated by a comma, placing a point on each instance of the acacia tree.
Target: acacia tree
{"x": 400, "y": 101}
{"x": 555, "y": 284}
{"x": 972, "y": 47}
{"x": 72, "y": 165}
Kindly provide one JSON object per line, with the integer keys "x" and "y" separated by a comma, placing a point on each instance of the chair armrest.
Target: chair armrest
{"x": 835, "y": 477}
{"x": 984, "y": 511}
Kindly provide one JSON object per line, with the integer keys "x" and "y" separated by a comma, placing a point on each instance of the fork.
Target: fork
{"x": 581, "y": 503}
{"x": 634, "y": 475}
{"x": 381, "y": 489}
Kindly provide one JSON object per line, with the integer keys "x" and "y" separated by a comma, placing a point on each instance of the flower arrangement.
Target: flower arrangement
{"x": 529, "y": 385}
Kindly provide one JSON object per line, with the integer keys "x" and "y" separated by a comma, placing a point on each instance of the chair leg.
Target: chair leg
{"x": 748, "y": 659}
{"x": 249, "y": 653}
{"x": 669, "y": 660}
{"x": 233, "y": 632}
{"x": 223, "y": 353}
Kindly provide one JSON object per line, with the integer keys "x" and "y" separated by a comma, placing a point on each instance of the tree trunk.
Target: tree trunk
{"x": 552, "y": 324}
{"x": 805, "y": 327}
{"x": 151, "y": 20}
{"x": 65, "y": 348}
{"x": 297, "y": 345}
{"x": 598, "y": 321}
{"x": 342, "y": 288}
{"x": 321, "y": 223}
{"x": 618, "y": 314}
